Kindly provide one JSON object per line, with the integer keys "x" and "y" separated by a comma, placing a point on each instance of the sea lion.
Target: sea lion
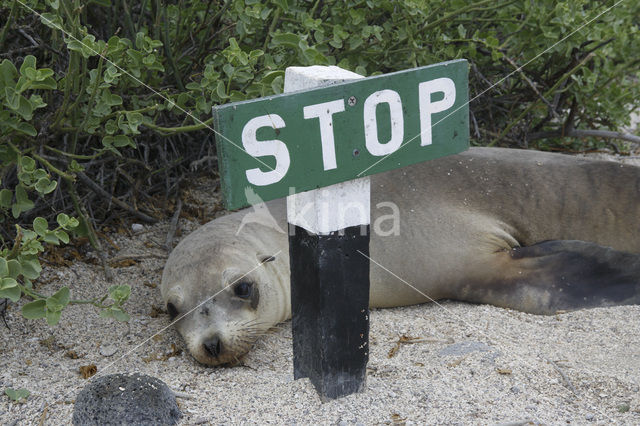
{"x": 527, "y": 230}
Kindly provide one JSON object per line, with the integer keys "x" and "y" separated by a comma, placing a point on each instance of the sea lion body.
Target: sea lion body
{"x": 532, "y": 231}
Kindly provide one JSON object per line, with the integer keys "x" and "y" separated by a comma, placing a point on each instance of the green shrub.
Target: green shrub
{"x": 116, "y": 94}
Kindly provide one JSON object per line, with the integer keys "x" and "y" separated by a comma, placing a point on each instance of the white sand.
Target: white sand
{"x": 475, "y": 364}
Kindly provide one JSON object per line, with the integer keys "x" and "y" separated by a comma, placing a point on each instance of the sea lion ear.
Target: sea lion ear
{"x": 264, "y": 258}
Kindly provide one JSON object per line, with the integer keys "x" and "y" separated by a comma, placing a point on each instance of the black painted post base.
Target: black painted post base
{"x": 330, "y": 309}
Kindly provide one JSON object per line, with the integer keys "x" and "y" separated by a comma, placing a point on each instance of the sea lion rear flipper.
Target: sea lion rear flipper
{"x": 561, "y": 275}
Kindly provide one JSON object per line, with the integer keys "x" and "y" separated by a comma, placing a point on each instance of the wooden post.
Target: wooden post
{"x": 328, "y": 227}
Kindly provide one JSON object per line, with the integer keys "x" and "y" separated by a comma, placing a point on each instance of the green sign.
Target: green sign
{"x": 279, "y": 145}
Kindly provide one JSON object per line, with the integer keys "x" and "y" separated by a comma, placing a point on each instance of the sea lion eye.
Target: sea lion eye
{"x": 171, "y": 309}
{"x": 243, "y": 289}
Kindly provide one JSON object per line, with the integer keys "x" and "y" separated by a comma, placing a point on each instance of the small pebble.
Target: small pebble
{"x": 108, "y": 350}
{"x": 589, "y": 417}
{"x": 136, "y": 227}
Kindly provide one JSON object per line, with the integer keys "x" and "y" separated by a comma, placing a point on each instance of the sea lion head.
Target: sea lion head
{"x": 223, "y": 293}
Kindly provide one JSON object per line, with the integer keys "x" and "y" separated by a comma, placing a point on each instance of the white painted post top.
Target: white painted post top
{"x": 335, "y": 207}
{"x": 301, "y": 78}
{"x": 331, "y": 208}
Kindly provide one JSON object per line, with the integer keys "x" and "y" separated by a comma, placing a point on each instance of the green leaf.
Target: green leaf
{"x": 254, "y": 54}
{"x": 51, "y": 20}
{"x": 22, "y": 203}
{"x": 119, "y": 293}
{"x": 8, "y": 73}
{"x": 228, "y": 69}
{"x": 117, "y": 141}
{"x": 87, "y": 46}
{"x": 121, "y": 315}
{"x": 43, "y": 74}
{"x": 29, "y": 62}
{"x": 286, "y": 40}
{"x": 115, "y": 312}
{"x": 271, "y": 75}
{"x": 62, "y": 236}
{"x": 10, "y": 289}
{"x": 15, "y": 268}
{"x": 110, "y": 126}
{"x": 45, "y": 186}
{"x": 34, "y": 310}
{"x": 28, "y": 234}
{"x": 17, "y": 395}
{"x": 26, "y": 128}
{"x": 134, "y": 118}
{"x": 47, "y": 83}
{"x": 55, "y": 304}
{"x": 283, "y": 5}
{"x": 135, "y": 56}
{"x": 7, "y": 282}
{"x": 40, "y": 225}
{"x": 74, "y": 166}
{"x": 31, "y": 268}
{"x": 4, "y": 267}
{"x": 6, "y": 196}
{"x": 277, "y": 84}
{"x": 221, "y": 90}
{"x": 12, "y": 97}
{"x": 62, "y": 219}
{"x": 30, "y": 73}
{"x": 51, "y": 238}
{"x": 122, "y": 140}
{"x": 27, "y": 163}
{"x": 36, "y": 101}
{"x": 149, "y": 59}
{"x": 53, "y": 317}
{"x": 18, "y": 103}
{"x": 59, "y": 300}
{"x": 111, "y": 99}
{"x": 39, "y": 174}
{"x": 314, "y": 57}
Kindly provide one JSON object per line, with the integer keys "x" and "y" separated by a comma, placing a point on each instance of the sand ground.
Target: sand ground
{"x": 466, "y": 364}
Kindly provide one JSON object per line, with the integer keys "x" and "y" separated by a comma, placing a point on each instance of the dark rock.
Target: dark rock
{"x": 126, "y": 399}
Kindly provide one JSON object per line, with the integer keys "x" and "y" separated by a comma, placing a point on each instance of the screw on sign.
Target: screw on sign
{"x": 332, "y": 131}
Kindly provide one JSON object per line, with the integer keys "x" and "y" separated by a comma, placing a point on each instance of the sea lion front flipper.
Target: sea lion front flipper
{"x": 561, "y": 275}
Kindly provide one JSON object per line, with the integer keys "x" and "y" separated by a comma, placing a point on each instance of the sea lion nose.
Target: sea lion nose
{"x": 213, "y": 346}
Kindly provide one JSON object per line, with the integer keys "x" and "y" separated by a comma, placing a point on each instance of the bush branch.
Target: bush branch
{"x": 586, "y": 133}
{"x": 182, "y": 129}
{"x": 5, "y": 29}
{"x": 101, "y": 192}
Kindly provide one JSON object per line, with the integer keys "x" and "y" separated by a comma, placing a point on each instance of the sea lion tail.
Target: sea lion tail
{"x": 563, "y": 275}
